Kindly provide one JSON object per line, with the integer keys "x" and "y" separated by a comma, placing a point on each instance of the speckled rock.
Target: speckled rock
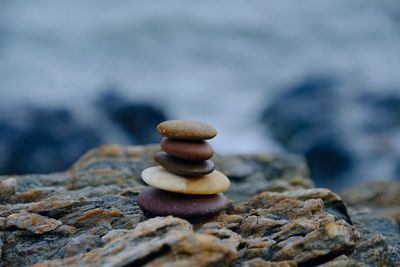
{"x": 88, "y": 216}
{"x": 35, "y": 223}
{"x": 155, "y": 242}
{"x": 375, "y": 211}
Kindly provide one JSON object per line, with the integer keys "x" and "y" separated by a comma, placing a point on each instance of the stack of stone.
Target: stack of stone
{"x": 186, "y": 184}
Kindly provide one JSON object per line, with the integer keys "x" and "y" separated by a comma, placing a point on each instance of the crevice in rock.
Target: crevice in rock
{"x": 292, "y": 235}
{"x": 269, "y": 253}
{"x": 241, "y": 245}
{"x": 272, "y": 230}
{"x": 325, "y": 258}
{"x": 143, "y": 261}
{"x": 279, "y": 215}
{"x": 338, "y": 210}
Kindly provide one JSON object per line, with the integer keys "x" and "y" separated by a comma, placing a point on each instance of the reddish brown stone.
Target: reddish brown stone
{"x": 187, "y": 150}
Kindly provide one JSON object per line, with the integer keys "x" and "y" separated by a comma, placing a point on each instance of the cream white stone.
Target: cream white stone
{"x": 160, "y": 178}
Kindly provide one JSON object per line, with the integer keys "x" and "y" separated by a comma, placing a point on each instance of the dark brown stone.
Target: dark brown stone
{"x": 183, "y": 167}
{"x": 187, "y": 150}
{"x": 157, "y": 202}
{"x": 187, "y": 130}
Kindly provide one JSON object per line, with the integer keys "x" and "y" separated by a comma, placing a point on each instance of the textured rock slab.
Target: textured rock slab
{"x": 155, "y": 242}
{"x": 375, "y": 210}
{"x": 98, "y": 194}
{"x": 88, "y": 216}
{"x": 291, "y": 227}
{"x": 33, "y": 222}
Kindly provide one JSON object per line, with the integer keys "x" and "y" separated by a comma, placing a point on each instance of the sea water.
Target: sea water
{"x": 217, "y": 61}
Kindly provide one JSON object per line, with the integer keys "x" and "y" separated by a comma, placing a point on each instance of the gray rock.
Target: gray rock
{"x": 35, "y": 223}
{"x": 375, "y": 211}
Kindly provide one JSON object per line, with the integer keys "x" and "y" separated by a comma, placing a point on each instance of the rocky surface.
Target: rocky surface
{"x": 375, "y": 211}
{"x": 88, "y": 216}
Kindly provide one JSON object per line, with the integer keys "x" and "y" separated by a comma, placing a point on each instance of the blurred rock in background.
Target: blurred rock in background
{"x": 37, "y": 139}
{"x": 137, "y": 119}
{"x": 342, "y": 135}
{"x": 34, "y": 139}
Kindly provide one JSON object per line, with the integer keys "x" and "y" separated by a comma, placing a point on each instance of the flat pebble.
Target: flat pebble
{"x": 187, "y": 130}
{"x": 209, "y": 184}
{"x": 187, "y": 150}
{"x": 183, "y": 167}
{"x": 155, "y": 202}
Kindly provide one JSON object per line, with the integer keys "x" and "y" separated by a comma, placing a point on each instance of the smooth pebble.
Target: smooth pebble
{"x": 183, "y": 167}
{"x": 187, "y": 150}
{"x": 155, "y": 202}
{"x": 187, "y": 130}
{"x": 209, "y": 184}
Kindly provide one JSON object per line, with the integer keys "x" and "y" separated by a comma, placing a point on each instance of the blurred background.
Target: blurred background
{"x": 318, "y": 78}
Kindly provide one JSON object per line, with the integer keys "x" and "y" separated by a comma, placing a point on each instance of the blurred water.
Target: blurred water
{"x": 218, "y": 61}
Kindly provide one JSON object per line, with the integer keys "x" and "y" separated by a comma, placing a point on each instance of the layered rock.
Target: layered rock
{"x": 88, "y": 216}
